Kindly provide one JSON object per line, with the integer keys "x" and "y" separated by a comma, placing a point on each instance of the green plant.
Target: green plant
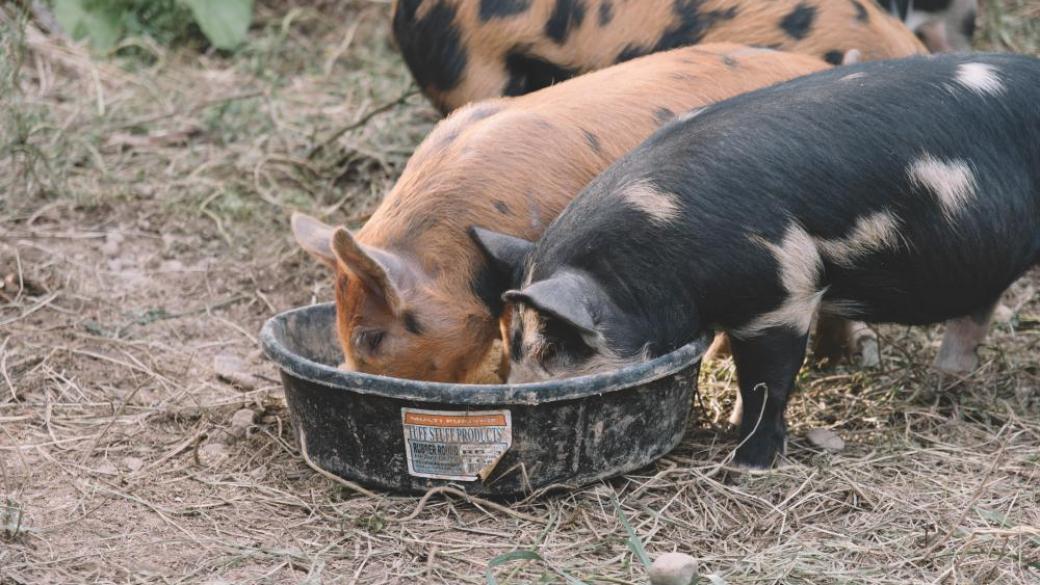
{"x": 104, "y": 22}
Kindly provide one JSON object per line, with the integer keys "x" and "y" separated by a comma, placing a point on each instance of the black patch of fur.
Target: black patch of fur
{"x": 861, "y": 12}
{"x": 593, "y": 141}
{"x": 798, "y": 23}
{"x": 567, "y": 15}
{"x": 431, "y": 46}
{"x": 606, "y": 12}
{"x": 502, "y": 207}
{"x": 528, "y": 73}
{"x": 488, "y": 285}
{"x": 502, "y": 8}
{"x": 834, "y": 57}
{"x": 692, "y": 23}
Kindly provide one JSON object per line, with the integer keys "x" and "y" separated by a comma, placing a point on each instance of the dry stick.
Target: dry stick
{"x": 478, "y": 502}
{"x": 361, "y": 121}
{"x": 967, "y": 508}
{"x": 327, "y": 475}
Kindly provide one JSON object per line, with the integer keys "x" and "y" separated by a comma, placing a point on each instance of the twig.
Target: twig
{"x": 343, "y": 482}
{"x": 472, "y": 500}
{"x": 361, "y": 121}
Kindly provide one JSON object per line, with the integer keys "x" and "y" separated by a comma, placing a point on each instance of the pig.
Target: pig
{"x": 904, "y": 191}
{"x": 460, "y": 51}
{"x": 415, "y": 296}
{"x": 943, "y": 25}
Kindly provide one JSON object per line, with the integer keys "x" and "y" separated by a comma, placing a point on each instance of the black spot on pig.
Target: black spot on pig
{"x": 631, "y": 52}
{"x": 729, "y": 61}
{"x": 593, "y": 141}
{"x": 663, "y": 115}
{"x": 528, "y": 73}
{"x": 502, "y": 8}
{"x": 834, "y": 57}
{"x": 799, "y": 22}
{"x": 411, "y": 323}
{"x": 567, "y": 15}
{"x": 690, "y": 26}
{"x": 861, "y": 12}
{"x": 488, "y": 285}
{"x": 606, "y": 13}
{"x": 502, "y": 207}
{"x": 431, "y": 46}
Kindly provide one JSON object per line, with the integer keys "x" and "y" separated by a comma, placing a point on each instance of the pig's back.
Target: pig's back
{"x": 945, "y": 146}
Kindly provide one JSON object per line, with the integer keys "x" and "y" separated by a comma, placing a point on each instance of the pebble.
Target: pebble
{"x": 673, "y": 569}
{"x": 133, "y": 463}
{"x": 112, "y": 241}
{"x": 213, "y": 454}
{"x": 241, "y": 421}
{"x": 825, "y": 439}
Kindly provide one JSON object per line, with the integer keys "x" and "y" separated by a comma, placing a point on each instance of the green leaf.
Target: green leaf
{"x": 100, "y": 22}
{"x": 524, "y": 555}
{"x": 224, "y": 22}
{"x": 633, "y": 541}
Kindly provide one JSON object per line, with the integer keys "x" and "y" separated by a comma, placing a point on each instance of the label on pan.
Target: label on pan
{"x": 460, "y": 446}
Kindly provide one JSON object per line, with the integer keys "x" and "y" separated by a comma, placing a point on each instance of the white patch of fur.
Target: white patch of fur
{"x": 872, "y": 233}
{"x": 800, "y": 266}
{"x": 659, "y": 206}
{"x": 952, "y": 182}
{"x": 853, "y": 76}
{"x": 981, "y": 78}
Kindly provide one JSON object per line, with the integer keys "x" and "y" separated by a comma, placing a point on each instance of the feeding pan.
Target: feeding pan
{"x": 497, "y": 440}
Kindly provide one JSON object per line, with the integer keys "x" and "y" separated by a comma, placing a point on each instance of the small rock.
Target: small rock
{"x": 673, "y": 569}
{"x": 241, "y": 421}
{"x": 133, "y": 463}
{"x": 825, "y": 439}
{"x": 213, "y": 454}
{"x": 112, "y": 241}
{"x": 234, "y": 370}
{"x": 1003, "y": 314}
{"x": 106, "y": 468}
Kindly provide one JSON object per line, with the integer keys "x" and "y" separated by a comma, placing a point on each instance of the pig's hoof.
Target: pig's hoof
{"x": 956, "y": 364}
{"x": 869, "y": 353}
{"x": 757, "y": 455}
{"x": 867, "y": 347}
{"x": 673, "y": 569}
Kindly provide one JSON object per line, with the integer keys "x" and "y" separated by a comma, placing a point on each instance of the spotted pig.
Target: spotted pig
{"x": 415, "y": 297}
{"x": 943, "y": 25}
{"x": 466, "y": 50}
{"x": 903, "y": 191}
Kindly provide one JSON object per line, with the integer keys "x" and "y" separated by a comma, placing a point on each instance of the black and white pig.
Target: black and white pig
{"x": 899, "y": 191}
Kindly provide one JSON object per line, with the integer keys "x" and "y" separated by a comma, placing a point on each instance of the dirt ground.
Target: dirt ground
{"x": 144, "y": 198}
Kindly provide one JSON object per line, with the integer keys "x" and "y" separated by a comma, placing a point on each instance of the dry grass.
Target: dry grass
{"x": 143, "y": 204}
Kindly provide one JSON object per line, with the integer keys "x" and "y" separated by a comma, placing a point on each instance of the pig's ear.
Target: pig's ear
{"x": 568, "y": 298}
{"x": 852, "y": 56}
{"x": 506, "y": 254}
{"x": 315, "y": 237}
{"x": 375, "y": 268}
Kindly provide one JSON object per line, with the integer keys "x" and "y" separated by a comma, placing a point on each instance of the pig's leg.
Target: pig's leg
{"x": 836, "y": 338}
{"x": 767, "y": 366}
{"x": 957, "y": 355}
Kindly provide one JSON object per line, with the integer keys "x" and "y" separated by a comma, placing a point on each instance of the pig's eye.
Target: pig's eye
{"x": 367, "y": 341}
